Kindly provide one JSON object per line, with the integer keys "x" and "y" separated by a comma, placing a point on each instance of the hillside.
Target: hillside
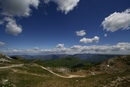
{"x": 62, "y": 62}
{"x": 98, "y": 58}
{"x": 14, "y": 72}
{"x": 6, "y": 60}
{"x": 113, "y": 65}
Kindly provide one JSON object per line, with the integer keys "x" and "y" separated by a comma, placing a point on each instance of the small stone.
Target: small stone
{"x": 77, "y": 80}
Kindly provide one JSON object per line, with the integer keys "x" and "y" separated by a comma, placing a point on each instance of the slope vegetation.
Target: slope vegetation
{"x": 114, "y": 72}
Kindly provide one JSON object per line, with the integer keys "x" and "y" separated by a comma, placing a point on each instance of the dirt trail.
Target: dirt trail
{"x": 70, "y": 76}
{"x": 18, "y": 65}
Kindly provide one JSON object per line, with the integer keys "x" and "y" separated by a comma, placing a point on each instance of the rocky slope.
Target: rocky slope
{"x": 113, "y": 65}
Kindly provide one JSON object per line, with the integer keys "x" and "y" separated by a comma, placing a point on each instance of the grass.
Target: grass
{"x": 34, "y": 76}
{"x": 27, "y": 80}
{"x": 61, "y": 62}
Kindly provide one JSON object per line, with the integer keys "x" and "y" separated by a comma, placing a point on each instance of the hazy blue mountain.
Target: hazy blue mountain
{"x": 95, "y": 58}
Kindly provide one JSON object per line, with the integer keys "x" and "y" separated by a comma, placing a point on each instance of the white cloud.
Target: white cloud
{"x": 60, "y": 46}
{"x": 96, "y": 39}
{"x": 80, "y": 33}
{"x": 64, "y": 5}
{"x": 28, "y": 51}
{"x": 116, "y": 21}
{"x": 2, "y": 43}
{"x": 86, "y": 40}
{"x": 119, "y": 48}
{"x": 15, "y": 51}
{"x": 105, "y": 35}
{"x": 12, "y": 27}
{"x": 122, "y": 48}
{"x": 36, "y": 48}
{"x": 76, "y": 47}
{"x": 60, "y": 49}
{"x": 18, "y": 7}
{"x": 124, "y": 45}
{"x": 15, "y": 8}
{"x": 90, "y": 40}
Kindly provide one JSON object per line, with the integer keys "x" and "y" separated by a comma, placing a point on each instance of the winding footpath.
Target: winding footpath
{"x": 11, "y": 66}
{"x": 70, "y": 76}
{"x": 20, "y": 65}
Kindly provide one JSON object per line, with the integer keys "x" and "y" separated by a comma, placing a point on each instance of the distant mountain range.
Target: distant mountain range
{"x": 44, "y": 57}
{"x": 96, "y": 58}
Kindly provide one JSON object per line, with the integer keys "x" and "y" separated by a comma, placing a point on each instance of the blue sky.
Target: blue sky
{"x": 64, "y": 26}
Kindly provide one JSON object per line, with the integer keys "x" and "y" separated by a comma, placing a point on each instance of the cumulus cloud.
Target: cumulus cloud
{"x": 60, "y": 46}
{"x": 60, "y": 49}
{"x": 28, "y": 50}
{"x": 76, "y": 47}
{"x": 12, "y": 27}
{"x": 15, "y": 51}
{"x": 96, "y": 39}
{"x": 86, "y": 40}
{"x": 90, "y": 40}
{"x": 116, "y": 21}
{"x": 105, "y": 35}
{"x": 2, "y": 43}
{"x": 18, "y": 7}
{"x": 15, "y": 8}
{"x": 36, "y": 48}
{"x": 64, "y": 5}
{"x": 80, "y": 33}
{"x": 119, "y": 48}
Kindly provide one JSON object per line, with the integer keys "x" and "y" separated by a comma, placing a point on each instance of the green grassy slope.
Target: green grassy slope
{"x": 62, "y": 62}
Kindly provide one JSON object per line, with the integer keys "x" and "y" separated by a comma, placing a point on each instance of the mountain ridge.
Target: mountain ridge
{"x": 96, "y": 58}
